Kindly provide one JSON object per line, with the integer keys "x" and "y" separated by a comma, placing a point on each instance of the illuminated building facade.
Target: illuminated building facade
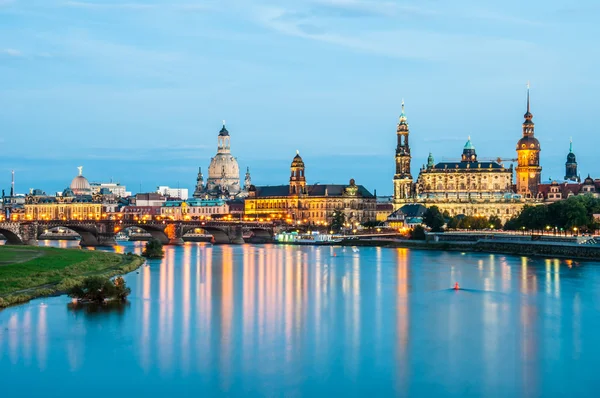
{"x": 529, "y": 171}
{"x": 470, "y": 187}
{"x": 313, "y": 204}
{"x": 403, "y": 181}
{"x": 63, "y": 207}
{"x": 194, "y": 209}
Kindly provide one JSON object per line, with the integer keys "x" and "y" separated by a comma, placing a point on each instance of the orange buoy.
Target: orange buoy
{"x": 334, "y": 254}
{"x": 456, "y": 287}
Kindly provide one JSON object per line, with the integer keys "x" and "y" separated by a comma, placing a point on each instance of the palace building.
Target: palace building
{"x": 312, "y": 204}
{"x": 471, "y": 186}
{"x": 223, "y": 173}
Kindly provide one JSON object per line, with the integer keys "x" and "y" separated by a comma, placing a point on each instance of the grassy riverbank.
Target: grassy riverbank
{"x": 28, "y": 272}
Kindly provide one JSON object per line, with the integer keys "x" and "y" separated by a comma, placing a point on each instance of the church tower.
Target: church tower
{"x": 297, "y": 179}
{"x": 198, "y": 192}
{"x": 571, "y": 165}
{"x": 402, "y": 179}
{"x": 529, "y": 171}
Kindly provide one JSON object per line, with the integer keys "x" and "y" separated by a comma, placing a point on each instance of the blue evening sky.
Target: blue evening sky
{"x": 136, "y": 90}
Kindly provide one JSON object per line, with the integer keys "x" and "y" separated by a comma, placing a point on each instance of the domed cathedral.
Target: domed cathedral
{"x": 403, "y": 181}
{"x": 314, "y": 204}
{"x": 80, "y": 185}
{"x": 223, "y": 172}
{"x": 571, "y": 165}
{"x": 529, "y": 171}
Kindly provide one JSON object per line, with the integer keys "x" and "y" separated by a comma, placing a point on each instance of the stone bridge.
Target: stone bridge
{"x": 102, "y": 233}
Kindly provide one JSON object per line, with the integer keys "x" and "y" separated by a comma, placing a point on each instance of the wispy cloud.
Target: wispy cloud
{"x": 104, "y": 5}
{"x": 138, "y": 6}
{"x": 11, "y": 52}
{"x": 396, "y": 43}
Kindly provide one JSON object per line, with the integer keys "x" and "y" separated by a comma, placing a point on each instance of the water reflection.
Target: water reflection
{"x": 94, "y": 309}
{"x": 276, "y": 320}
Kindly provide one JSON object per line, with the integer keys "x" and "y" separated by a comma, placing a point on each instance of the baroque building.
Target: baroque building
{"x": 472, "y": 186}
{"x": 223, "y": 172}
{"x": 310, "y": 204}
{"x": 469, "y": 186}
{"x": 403, "y": 181}
{"x": 529, "y": 171}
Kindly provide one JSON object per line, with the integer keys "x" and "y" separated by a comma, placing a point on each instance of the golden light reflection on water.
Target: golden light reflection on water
{"x": 215, "y": 310}
{"x": 402, "y": 316}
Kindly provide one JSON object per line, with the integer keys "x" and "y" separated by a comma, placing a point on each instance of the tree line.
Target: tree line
{"x": 573, "y": 214}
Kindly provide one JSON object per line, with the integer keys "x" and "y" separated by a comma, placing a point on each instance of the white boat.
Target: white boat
{"x": 121, "y": 236}
{"x": 314, "y": 238}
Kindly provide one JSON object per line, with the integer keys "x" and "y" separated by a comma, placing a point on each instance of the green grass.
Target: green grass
{"x": 28, "y": 272}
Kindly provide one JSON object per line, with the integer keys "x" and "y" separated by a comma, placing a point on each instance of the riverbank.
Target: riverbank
{"x": 30, "y": 272}
{"x": 538, "y": 249}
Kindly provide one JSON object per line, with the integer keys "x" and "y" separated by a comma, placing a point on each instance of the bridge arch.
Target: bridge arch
{"x": 88, "y": 233}
{"x": 11, "y": 237}
{"x": 220, "y": 236}
{"x": 156, "y": 231}
{"x": 261, "y": 235}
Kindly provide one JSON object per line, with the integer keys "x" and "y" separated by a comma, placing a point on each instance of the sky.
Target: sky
{"x": 136, "y": 91}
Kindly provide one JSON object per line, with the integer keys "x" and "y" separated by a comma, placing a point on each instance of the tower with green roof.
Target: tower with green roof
{"x": 403, "y": 181}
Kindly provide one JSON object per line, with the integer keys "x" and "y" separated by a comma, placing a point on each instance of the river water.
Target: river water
{"x": 311, "y": 321}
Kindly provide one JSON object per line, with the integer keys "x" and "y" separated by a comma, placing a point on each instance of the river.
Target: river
{"x": 312, "y": 321}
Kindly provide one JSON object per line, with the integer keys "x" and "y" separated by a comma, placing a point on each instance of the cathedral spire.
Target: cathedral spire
{"x": 402, "y": 115}
{"x": 528, "y": 115}
{"x": 571, "y": 145}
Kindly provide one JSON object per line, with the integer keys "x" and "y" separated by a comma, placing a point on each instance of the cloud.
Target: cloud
{"x": 392, "y": 42}
{"x": 90, "y": 5}
{"x": 136, "y": 6}
{"x": 11, "y": 52}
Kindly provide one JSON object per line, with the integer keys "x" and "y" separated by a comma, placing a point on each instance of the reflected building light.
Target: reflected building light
{"x": 27, "y": 337}
{"x": 42, "y": 337}
{"x": 227, "y": 301}
{"x": 556, "y": 278}
{"x": 402, "y": 316}
{"x": 548, "y": 263}
{"x": 14, "y": 332}
{"x": 524, "y": 275}
{"x": 186, "y": 297}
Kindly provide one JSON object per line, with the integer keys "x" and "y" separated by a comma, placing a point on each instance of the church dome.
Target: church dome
{"x": 224, "y": 171}
{"x": 297, "y": 162}
{"x": 224, "y": 130}
{"x": 588, "y": 181}
{"x": 80, "y": 185}
{"x": 528, "y": 142}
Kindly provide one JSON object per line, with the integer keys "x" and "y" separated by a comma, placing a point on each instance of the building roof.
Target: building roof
{"x": 469, "y": 165}
{"x": 312, "y": 190}
{"x": 223, "y": 131}
{"x": 411, "y": 210}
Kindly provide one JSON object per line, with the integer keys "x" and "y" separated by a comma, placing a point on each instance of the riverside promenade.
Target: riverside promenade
{"x": 572, "y": 247}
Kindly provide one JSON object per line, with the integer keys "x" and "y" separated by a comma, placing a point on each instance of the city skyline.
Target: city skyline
{"x": 119, "y": 86}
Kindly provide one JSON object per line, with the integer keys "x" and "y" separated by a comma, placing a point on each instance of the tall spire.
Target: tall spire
{"x": 402, "y": 114}
{"x": 571, "y": 145}
{"x": 528, "y": 109}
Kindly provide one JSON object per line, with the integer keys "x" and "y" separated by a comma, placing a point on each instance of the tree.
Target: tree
{"x": 337, "y": 221}
{"x": 154, "y": 249}
{"x": 97, "y": 289}
{"x": 495, "y": 222}
{"x": 512, "y": 224}
{"x": 434, "y": 219}
{"x": 417, "y": 233}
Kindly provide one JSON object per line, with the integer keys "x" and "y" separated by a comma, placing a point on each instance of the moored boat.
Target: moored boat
{"x": 314, "y": 238}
